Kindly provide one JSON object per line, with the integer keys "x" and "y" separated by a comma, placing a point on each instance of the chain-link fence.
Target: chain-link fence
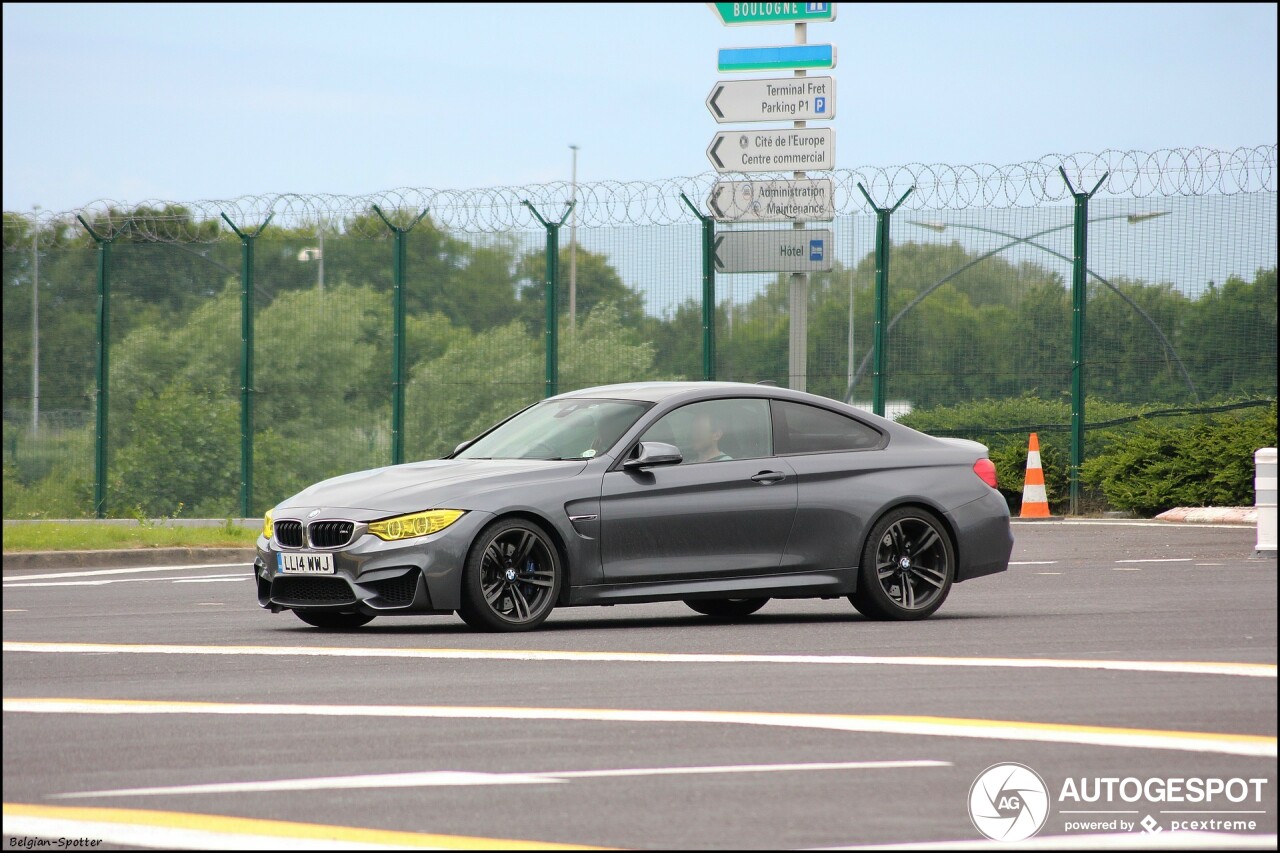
{"x": 166, "y": 362}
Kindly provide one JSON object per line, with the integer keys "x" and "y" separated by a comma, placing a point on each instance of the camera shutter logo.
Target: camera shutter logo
{"x": 1008, "y": 802}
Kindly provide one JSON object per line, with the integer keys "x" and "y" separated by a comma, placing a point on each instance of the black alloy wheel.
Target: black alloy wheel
{"x": 908, "y": 566}
{"x": 512, "y": 577}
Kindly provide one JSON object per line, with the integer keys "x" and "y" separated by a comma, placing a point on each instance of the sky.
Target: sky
{"x": 205, "y": 101}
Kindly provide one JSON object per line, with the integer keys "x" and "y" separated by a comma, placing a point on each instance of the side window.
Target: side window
{"x": 716, "y": 430}
{"x": 809, "y": 429}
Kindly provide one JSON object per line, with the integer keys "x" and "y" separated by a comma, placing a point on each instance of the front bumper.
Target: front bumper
{"x": 372, "y": 576}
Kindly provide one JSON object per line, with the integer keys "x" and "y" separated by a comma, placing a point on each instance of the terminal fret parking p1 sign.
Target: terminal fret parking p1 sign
{"x": 736, "y": 14}
{"x": 778, "y": 99}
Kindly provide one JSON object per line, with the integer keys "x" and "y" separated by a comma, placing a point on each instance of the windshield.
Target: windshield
{"x": 560, "y": 429}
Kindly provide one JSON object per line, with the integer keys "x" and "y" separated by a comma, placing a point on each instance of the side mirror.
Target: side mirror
{"x": 653, "y": 453}
{"x": 463, "y": 446}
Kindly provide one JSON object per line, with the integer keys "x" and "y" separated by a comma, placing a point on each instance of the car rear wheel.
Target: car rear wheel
{"x": 512, "y": 577}
{"x": 908, "y": 565}
{"x": 330, "y": 619}
{"x": 726, "y": 608}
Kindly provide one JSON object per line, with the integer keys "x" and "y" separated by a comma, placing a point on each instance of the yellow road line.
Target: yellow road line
{"x": 144, "y": 826}
{"x": 1226, "y": 744}
{"x": 1253, "y": 670}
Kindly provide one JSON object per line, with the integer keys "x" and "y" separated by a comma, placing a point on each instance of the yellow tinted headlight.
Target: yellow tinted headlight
{"x": 268, "y": 527}
{"x": 414, "y": 524}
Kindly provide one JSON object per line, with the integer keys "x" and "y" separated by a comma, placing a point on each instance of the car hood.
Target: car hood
{"x": 438, "y": 483}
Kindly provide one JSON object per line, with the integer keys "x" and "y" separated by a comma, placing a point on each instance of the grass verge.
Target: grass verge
{"x": 52, "y": 536}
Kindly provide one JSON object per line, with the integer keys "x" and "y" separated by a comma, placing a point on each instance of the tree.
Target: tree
{"x": 598, "y": 283}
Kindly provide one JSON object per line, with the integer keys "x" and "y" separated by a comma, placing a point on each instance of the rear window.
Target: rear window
{"x": 799, "y": 428}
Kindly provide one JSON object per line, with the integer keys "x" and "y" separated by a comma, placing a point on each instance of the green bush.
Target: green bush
{"x": 1005, "y": 427}
{"x": 1157, "y": 466}
{"x": 1144, "y": 466}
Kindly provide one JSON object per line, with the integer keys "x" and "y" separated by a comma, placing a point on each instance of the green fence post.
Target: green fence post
{"x": 879, "y": 329}
{"x": 708, "y": 291}
{"x": 246, "y": 363}
{"x": 397, "y": 334}
{"x": 551, "y": 343}
{"x": 1079, "y": 294}
{"x": 103, "y": 367}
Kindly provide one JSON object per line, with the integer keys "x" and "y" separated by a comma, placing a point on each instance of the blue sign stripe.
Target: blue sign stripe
{"x": 799, "y": 55}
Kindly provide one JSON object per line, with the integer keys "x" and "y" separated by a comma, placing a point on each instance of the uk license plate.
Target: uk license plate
{"x": 305, "y": 564}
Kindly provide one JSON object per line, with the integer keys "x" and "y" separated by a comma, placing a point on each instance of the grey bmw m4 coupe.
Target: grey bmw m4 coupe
{"x": 718, "y": 494}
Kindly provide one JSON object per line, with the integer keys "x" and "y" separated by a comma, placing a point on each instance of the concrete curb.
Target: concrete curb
{"x": 1211, "y": 514}
{"x": 124, "y": 557}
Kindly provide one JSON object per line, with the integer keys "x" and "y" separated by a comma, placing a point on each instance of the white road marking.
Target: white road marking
{"x": 1255, "y": 746}
{"x": 1160, "y": 560}
{"x": 1035, "y": 563}
{"x": 136, "y": 570}
{"x": 238, "y": 576}
{"x": 1098, "y": 841}
{"x": 1254, "y": 670}
{"x": 14, "y": 611}
{"x": 187, "y": 831}
{"x": 1165, "y": 524}
{"x": 1185, "y": 667}
{"x": 450, "y": 778}
{"x": 211, "y": 580}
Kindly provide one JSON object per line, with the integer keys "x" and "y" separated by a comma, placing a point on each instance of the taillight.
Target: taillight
{"x": 986, "y": 471}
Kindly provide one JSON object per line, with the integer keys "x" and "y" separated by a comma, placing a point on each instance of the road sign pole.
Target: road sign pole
{"x": 798, "y": 338}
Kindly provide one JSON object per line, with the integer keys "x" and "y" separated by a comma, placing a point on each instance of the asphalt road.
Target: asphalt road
{"x": 647, "y": 726}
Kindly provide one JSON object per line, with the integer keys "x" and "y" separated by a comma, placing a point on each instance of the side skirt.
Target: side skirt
{"x": 828, "y": 583}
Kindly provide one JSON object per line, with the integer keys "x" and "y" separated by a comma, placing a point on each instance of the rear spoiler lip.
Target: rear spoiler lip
{"x": 976, "y": 446}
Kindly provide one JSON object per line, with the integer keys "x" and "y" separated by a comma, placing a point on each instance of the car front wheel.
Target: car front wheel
{"x": 908, "y": 565}
{"x": 512, "y": 577}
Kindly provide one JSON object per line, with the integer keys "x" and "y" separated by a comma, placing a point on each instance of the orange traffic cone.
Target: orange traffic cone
{"x": 1035, "y": 502}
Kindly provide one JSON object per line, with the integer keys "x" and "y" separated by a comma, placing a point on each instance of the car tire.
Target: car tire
{"x": 726, "y": 608}
{"x": 908, "y": 565}
{"x": 512, "y": 577}
{"x": 333, "y": 621}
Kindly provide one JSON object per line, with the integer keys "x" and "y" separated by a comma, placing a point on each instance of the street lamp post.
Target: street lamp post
{"x": 1080, "y": 273}
{"x": 1131, "y": 218}
{"x": 573, "y": 245}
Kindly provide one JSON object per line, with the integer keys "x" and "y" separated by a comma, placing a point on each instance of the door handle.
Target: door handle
{"x": 767, "y": 477}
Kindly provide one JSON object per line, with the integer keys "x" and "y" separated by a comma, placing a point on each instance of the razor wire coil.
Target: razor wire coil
{"x": 1166, "y": 172}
